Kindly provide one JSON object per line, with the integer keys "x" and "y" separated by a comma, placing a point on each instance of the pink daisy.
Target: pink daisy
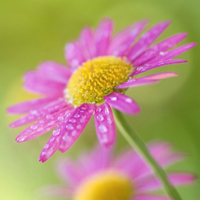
{"x": 100, "y": 69}
{"x": 98, "y": 176}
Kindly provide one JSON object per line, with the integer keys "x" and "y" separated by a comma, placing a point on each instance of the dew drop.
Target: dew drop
{"x": 52, "y": 139}
{"x": 41, "y": 122}
{"x": 107, "y": 112}
{"x": 46, "y": 146}
{"x": 78, "y": 126}
{"x": 33, "y": 112}
{"x": 33, "y": 127}
{"x": 77, "y": 116}
{"x": 113, "y": 98}
{"x": 69, "y": 127}
{"x": 56, "y": 132}
{"x": 99, "y": 109}
{"x": 74, "y": 133}
{"x": 60, "y": 118}
{"x": 102, "y": 128}
{"x": 83, "y": 119}
{"x": 100, "y": 118}
{"x": 128, "y": 100}
{"x": 72, "y": 120}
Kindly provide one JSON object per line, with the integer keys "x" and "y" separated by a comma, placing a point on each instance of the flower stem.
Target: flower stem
{"x": 136, "y": 142}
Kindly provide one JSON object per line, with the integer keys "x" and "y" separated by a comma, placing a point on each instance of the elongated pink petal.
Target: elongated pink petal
{"x": 73, "y": 127}
{"x": 123, "y": 103}
{"x": 54, "y": 71}
{"x": 173, "y": 53}
{"x": 86, "y": 43}
{"x": 37, "y": 114}
{"x": 105, "y": 124}
{"x": 100, "y": 158}
{"x": 27, "y": 106}
{"x": 159, "y": 48}
{"x": 153, "y": 184}
{"x": 42, "y": 126}
{"x": 74, "y": 56}
{"x": 102, "y": 37}
{"x": 135, "y": 82}
{"x": 138, "y": 168}
{"x": 159, "y": 76}
{"x": 151, "y": 197}
{"x": 123, "y": 41}
{"x": 146, "y": 40}
{"x": 34, "y": 82}
{"x": 53, "y": 143}
{"x": 147, "y": 67}
{"x": 51, "y": 146}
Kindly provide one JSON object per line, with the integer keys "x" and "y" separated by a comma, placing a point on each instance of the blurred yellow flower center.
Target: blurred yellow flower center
{"x": 97, "y": 78}
{"x": 109, "y": 185}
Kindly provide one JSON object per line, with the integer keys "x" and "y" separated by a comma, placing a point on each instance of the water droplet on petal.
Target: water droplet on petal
{"x": 128, "y": 100}
{"x": 72, "y": 120}
{"x": 78, "y": 126}
{"x": 76, "y": 115}
{"x": 41, "y": 122}
{"x": 113, "y": 98}
{"x": 69, "y": 127}
{"x": 56, "y": 132}
{"x": 100, "y": 118}
{"x": 60, "y": 118}
{"x": 33, "y": 112}
{"x": 102, "y": 128}
{"x": 33, "y": 127}
{"x": 46, "y": 146}
{"x": 99, "y": 109}
{"x": 74, "y": 133}
{"x": 107, "y": 111}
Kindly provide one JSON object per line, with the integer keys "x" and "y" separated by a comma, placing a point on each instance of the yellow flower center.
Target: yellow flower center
{"x": 109, "y": 185}
{"x": 97, "y": 78}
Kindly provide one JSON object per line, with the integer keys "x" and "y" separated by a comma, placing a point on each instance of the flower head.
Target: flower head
{"x": 98, "y": 175}
{"x": 100, "y": 69}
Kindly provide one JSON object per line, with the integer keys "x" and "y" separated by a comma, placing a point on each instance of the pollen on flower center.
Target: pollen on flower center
{"x": 109, "y": 185}
{"x": 97, "y": 78}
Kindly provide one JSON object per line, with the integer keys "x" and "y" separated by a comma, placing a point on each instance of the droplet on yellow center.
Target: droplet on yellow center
{"x": 108, "y": 185}
{"x": 97, "y": 78}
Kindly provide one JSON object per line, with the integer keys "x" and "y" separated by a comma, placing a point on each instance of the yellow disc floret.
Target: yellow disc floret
{"x": 97, "y": 78}
{"x": 108, "y": 185}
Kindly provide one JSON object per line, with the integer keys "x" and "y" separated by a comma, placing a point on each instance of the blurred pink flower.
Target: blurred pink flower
{"x": 97, "y": 175}
{"x": 101, "y": 68}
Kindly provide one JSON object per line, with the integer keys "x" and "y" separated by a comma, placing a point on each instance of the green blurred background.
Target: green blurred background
{"x": 36, "y": 31}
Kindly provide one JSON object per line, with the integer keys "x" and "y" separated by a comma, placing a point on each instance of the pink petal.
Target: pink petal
{"x": 173, "y": 53}
{"x": 54, "y": 71}
{"x": 159, "y": 76}
{"x": 102, "y": 37}
{"x": 147, "y": 66}
{"x": 105, "y": 124}
{"x": 86, "y": 43}
{"x": 74, "y": 126}
{"x": 138, "y": 168}
{"x": 53, "y": 143}
{"x": 27, "y": 106}
{"x": 123, "y": 40}
{"x": 34, "y": 82}
{"x": 146, "y": 40}
{"x": 150, "y": 197}
{"x": 42, "y": 126}
{"x": 74, "y": 56}
{"x": 135, "y": 82}
{"x": 37, "y": 114}
{"x": 153, "y": 184}
{"x": 123, "y": 103}
{"x": 70, "y": 172}
{"x": 51, "y": 146}
{"x": 159, "y": 48}
{"x": 98, "y": 159}
{"x": 182, "y": 178}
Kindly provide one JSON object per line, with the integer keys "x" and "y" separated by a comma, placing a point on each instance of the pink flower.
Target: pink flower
{"x": 100, "y": 70}
{"x": 97, "y": 175}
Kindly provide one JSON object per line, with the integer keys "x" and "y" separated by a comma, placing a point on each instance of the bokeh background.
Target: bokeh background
{"x": 35, "y": 31}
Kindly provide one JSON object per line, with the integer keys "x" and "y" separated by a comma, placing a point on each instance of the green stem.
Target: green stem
{"x": 136, "y": 142}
